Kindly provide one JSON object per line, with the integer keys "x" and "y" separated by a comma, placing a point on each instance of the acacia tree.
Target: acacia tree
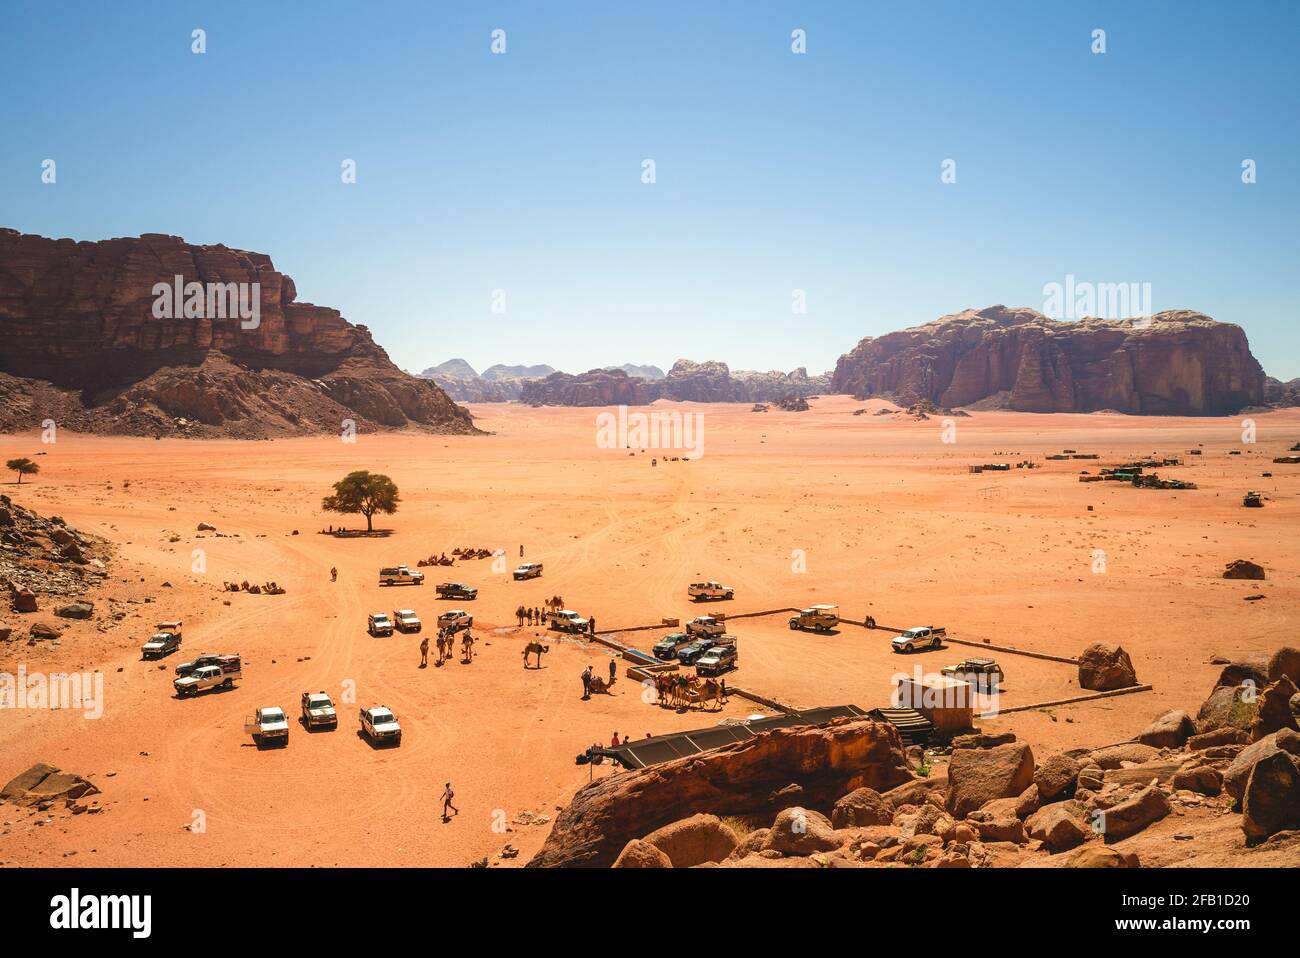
{"x": 24, "y": 467}
{"x": 363, "y": 492}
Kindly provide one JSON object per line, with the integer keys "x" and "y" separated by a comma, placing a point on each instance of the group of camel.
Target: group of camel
{"x": 446, "y": 643}
{"x": 266, "y": 588}
{"x": 682, "y": 691}
{"x": 457, "y": 553}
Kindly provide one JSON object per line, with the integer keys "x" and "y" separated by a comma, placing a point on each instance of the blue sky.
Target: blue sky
{"x": 775, "y": 171}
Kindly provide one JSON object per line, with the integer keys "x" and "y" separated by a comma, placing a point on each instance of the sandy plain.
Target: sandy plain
{"x": 874, "y": 513}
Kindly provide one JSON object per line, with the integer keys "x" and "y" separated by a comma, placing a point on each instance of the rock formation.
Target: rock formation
{"x": 687, "y": 381}
{"x": 496, "y": 383}
{"x": 749, "y": 778}
{"x": 1174, "y": 363}
{"x": 84, "y": 345}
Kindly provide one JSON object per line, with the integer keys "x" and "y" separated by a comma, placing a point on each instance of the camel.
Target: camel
{"x": 535, "y": 648}
{"x": 467, "y": 648}
{"x": 664, "y": 683}
{"x": 710, "y": 691}
{"x": 600, "y": 685}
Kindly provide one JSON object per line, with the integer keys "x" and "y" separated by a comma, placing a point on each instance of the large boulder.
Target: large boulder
{"x": 1271, "y": 801}
{"x": 1243, "y": 569}
{"x": 45, "y": 783}
{"x": 862, "y": 806}
{"x": 1204, "y": 779}
{"x": 801, "y": 831}
{"x": 694, "y": 840}
{"x": 1251, "y": 668}
{"x": 1103, "y": 669}
{"x": 746, "y": 780}
{"x": 977, "y": 776}
{"x": 1170, "y": 730}
{"x": 1285, "y": 661}
{"x": 1131, "y": 816}
{"x": 1100, "y": 856}
{"x": 1238, "y": 771}
{"x": 1231, "y": 706}
{"x": 641, "y": 854}
{"x": 1116, "y": 756}
{"x": 1274, "y": 711}
{"x": 1059, "y": 827}
{"x": 76, "y": 610}
{"x": 24, "y": 600}
{"x": 1056, "y": 777}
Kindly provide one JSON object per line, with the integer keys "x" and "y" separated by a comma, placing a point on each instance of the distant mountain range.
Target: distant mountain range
{"x": 501, "y": 383}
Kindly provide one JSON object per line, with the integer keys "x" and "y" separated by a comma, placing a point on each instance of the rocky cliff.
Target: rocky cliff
{"x": 1174, "y": 363}
{"x": 495, "y": 384}
{"x": 687, "y": 381}
{"x": 84, "y": 345}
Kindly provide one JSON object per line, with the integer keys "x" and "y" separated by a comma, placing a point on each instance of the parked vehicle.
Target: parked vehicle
{"x": 379, "y": 725}
{"x": 318, "y": 710}
{"x": 269, "y": 726}
{"x": 1252, "y": 500}
{"x": 566, "y": 620}
{"x": 687, "y": 654}
{"x": 207, "y": 658}
{"x": 819, "y": 618}
{"x": 921, "y": 637}
{"x": 529, "y": 570}
{"x": 455, "y": 619}
{"x": 405, "y": 620}
{"x": 982, "y": 673}
{"x": 377, "y": 623}
{"x": 400, "y": 575}
{"x": 710, "y": 590}
{"x": 162, "y": 643}
{"x": 705, "y": 625}
{"x": 222, "y": 674}
{"x": 718, "y": 659}
{"x": 456, "y": 590}
{"x": 668, "y": 647}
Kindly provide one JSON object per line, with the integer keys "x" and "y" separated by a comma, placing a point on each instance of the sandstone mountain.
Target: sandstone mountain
{"x": 687, "y": 381}
{"x": 1174, "y": 363}
{"x": 497, "y": 383}
{"x": 645, "y": 372}
{"x": 83, "y": 347}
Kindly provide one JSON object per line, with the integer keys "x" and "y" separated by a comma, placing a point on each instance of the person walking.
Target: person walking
{"x": 586, "y": 683}
{"x": 447, "y": 796}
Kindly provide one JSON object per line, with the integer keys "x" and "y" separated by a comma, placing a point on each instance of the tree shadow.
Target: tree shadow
{"x": 359, "y": 533}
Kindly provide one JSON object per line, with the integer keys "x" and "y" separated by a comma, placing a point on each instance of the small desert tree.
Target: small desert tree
{"x": 24, "y": 467}
{"x": 363, "y": 492}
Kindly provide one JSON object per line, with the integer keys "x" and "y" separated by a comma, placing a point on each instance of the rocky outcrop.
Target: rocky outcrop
{"x": 751, "y": 778}
{"x": 44, "y": 556}
{"x": 596, "y": 387}
{"x": 1174, "y": 363}
{"x": 86, "y": 346}
{"x": 43, "y": 783}
{"x": 1281, "y": 394}
{"x": 495, "y": 384}
{"x": 687, "y": 381}
{"x": 1103, "y": 669}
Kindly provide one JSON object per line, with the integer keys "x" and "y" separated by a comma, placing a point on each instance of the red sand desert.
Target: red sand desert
{"x": 886, "y": 516}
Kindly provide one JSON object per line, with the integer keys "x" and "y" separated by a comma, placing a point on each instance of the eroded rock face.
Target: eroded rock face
{"x": 687, "y": 381}
{"x": 744, "y": 779}
{"x": 84, "y": 348}
{"x": 1177, "y": 363}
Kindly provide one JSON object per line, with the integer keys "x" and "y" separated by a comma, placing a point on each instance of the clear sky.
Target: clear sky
{"x": 775, "y": 171}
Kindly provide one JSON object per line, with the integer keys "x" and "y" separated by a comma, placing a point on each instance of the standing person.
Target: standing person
{"x": 591, "y": 625}
{"x": 586, "y": 683}
{"x": 519, "y": 614}
{"x": 424, "y": 652}
{"x": 613, "y": 670}
{"x": 447, "y": 796}
{"x": 614, "y": 742}
{"x": 521, "y": 550}
{"x": 334, "y": 575}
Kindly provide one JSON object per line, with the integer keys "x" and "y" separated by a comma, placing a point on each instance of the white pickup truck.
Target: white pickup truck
{"x": 921, "y": 637}
{"x": 406, "y": 620}
{"x": 710, "y": 590}
{"x": 529, "y": 570}
{"x": 220, "y": 675}
{"x": 318, "y": 710}
{"x": 400, "y": 575}
{"x": 706, "y": 625}
{"x": 455, "y": 620}
{"x": 379, "y": 724}
{"x": 269, "y": 726}
{"x": 566, "y": 620}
